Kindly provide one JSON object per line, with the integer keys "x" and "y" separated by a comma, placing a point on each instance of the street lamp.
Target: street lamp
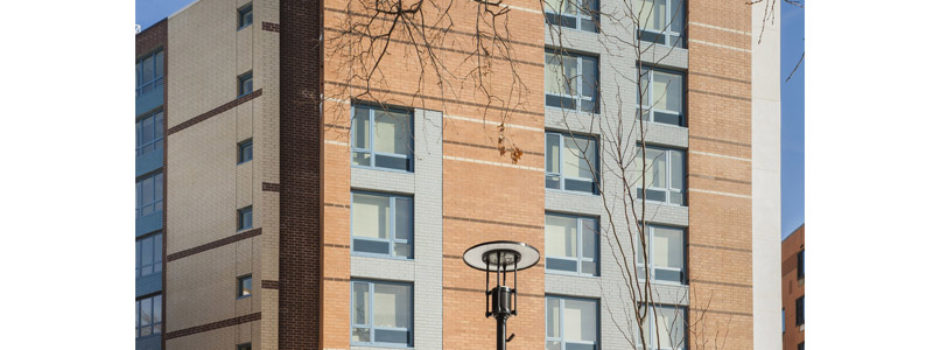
{"x": 501, "y": 258}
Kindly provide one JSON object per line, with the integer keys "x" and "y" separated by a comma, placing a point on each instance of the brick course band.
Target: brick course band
{"x": 742, "y": 98}
{"x": 719, "y": 247}
{"x": 214, "y": 325}
{"x": 271, "y": 187}
{"x": 716, "y": 178}
{"x": 492, "y": 222}
{"x": 271, "y": 27}
{"x": 438, "y": 99}
{"x": 471, "y": 290}
{"x": 214, "y": 244}
{"x": 525, "y": 152}
{"x": 269, "y": 284}
{"x": 703, "y": 138}
{"x": 215, "y": 111}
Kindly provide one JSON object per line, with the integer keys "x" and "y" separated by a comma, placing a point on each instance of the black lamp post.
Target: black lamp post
{"x": 501, "y": 258}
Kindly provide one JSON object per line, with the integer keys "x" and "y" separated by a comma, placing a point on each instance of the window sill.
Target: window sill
{"x": 379, "y": 256}
{"x": 571, "y": 274}
{"x": 573, "y": 111}
{"x": 581, "y": 193}
{"x": 360, "y": 346}
{"x": 393, "y": 170}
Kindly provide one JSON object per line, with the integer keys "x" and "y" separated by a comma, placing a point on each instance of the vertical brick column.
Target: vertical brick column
{"x": 301, "y": 204}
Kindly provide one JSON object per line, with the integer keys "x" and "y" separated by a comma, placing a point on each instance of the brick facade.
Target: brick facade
{"x": 793, "y": 287}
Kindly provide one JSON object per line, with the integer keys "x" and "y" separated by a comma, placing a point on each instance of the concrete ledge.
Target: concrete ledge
{"x": 573, "y": 203}
{"x": 382, "y": 180}
{"x": 667, "y": 135}
{"x": 382, "y": 269}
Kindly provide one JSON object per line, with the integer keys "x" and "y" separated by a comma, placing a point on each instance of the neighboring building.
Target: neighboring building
{"x": 270, "y": 218}
{"x": 793, "y": 261}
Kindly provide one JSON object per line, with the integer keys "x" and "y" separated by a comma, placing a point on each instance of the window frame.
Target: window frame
{"x": 156, "y": 303}
{"x": 669, "y": 169}
{"x": 580, "y": 248}
{"x": 393, "y": 227}
{"x": 594, "y": 6}
{"x": 670, "y": 37}
{"x": 240, "y": 218}
{"x": 651, "y": 317}
{"x": 647, "y": 74}
{"x": 242, "y": 79}
{"x": 242, "y": 147}
{"x": 579, "y": 81}
{"x": 157, "y": 203}
{"x": 371, "y": 316}
{"x": 371, "y": 150}
{"x": 650, "y": 231}
{"x": 243, "y": 11}
{"x": 156, "y": 115}
{"x": 243, "y": 346}
{"x": 156, "y": 263}
{"x": 156, "y": 80}
{"x": 800, "y": 264}
{"x": 240, "y": 286}
{"x": 561, "y": 321}
{"x": 561, "y": 162}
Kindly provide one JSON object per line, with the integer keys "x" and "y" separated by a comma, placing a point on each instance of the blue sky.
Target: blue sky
{"x": 792, "y": 140}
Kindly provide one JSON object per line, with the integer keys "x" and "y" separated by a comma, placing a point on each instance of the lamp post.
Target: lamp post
{"x": 501, "y": 258}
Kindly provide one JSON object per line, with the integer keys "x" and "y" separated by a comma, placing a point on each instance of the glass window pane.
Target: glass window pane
{"x": 390, "y": 162}
{"x": 667, "y": 245}
{"x": 146, "y": 256}
{"x": 361, "y": 335}
{"x": 147, "y": 68}
{"x": 360, "y": 128}
{"x": 570, "y": 78}
{"x": 655, "y": 168}
{"x": 553, "y": 318}
{"x": 403, "y": 218}
{"x": 392, "y": 132}
{"x": 157, "y": 252}
{"x": 392, "y": 306}
{"x": 667, "y": 91}
{"x": 678, "y": 170}
{"x": 158, "y": 309}
{"x": 580, "y": 319}
{"x": 575, "y": 346}
{"x": 403, "y": 250}
{"x": 146, "y": 314}
{"x": 362, "y": 158}
{"x": 391, "y": 336}
{"x": 589, "y": 77}
{"x": 158, "y": 65}
{"x": 360, "y": 303}
{"x": 561, "y": 264}
{"x": 553, "y": 74}
{"x": 552, "y": 154}
{"x": 370, "y": 216}
{"x": 561, "y": 234}
{"x": 678, "y": 16}
{"x": 588, "y": 238}
{"x": 579, "y": 158}
{"x": 589, "y": 267}
{"x": 368, "y": 246}
{"x": 553, "y": 345}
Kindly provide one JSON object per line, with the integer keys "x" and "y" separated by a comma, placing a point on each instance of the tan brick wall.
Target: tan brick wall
{"x": 720, "y": 174}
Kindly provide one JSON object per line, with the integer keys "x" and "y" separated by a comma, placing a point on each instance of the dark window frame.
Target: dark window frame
{"x": 243, "y": 224}
{"x": 240, "y": 286}
{"x": 243, "y": 80}
{"x": 245, "y": 16}
{"x": 245, "y": 151}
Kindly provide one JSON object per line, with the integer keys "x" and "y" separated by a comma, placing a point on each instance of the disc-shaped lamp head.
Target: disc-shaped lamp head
{"x": 501, "y": 255}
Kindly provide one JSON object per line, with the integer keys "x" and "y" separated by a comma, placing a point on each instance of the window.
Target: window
{"x": 571, "y": 14}
{"x": 571, "y": 244}
{"x": 149, "y": 316}
{"x": 661, "y": 95}
{"x": 381, "y": 313}
{"x": 570, "y": 324}
{"x": 669, "y": 330}
{"x": 800, "y": 347}
{"x": 570, "y": 162}
{"x": 149, "y": 72}
{"x": 244, "y": 17}
{"x": 799, "y": 264}
{"x": 149, "y": 194}
{"x": 244, "y": 84}
{"x": 666, "y": 253}
{"x": 382, "y": 224}
{"x": 662, "y": 22}
{"x": 665, "y": 175}
{"x": 244, "y": 218}
{"x": 246, "y": 346}
{"x": 381, "y": 138}
{"x": 783, "y": 319}
{"x": 245, "y": 151}
{"x": 149, "y": 257}
{"x": 150, "y": 133}
{"x": 799, "y": 311}
{"x": 570, "y": 81}
{"x": 244, "y": 287}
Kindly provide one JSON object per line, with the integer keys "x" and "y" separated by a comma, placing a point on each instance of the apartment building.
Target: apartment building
{"x": 285, "y": 203}
{"x": 792, "y": 265}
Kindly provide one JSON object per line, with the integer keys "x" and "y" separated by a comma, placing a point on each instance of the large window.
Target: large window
{"x": 799, "y": 264}
{"x": 661, "y": 22}
{"x": 149, "y": 72}
{"x": 577, "y": 14}
{"x": 665, "y": 175}
{"x": 570, "y": 324}
{"x": 571, "y": 244}
{"x": 149, "y": 316}
{"x": 799, "y": 312}
{"x": 150, "y": 133}
{"x": 570, "y": 81}
{"x": 381, "y": 313}
{"x": 666, "y": 252}
{"x": 149, "y": 257}
{"x": 665, "y": 327}
{"x": 149, "y": 194}
{"x": 660, "y": 98}
{"x": 382, "y": 224}
{"x": 571, "y": 162}
{"x": 382, "y": 138}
